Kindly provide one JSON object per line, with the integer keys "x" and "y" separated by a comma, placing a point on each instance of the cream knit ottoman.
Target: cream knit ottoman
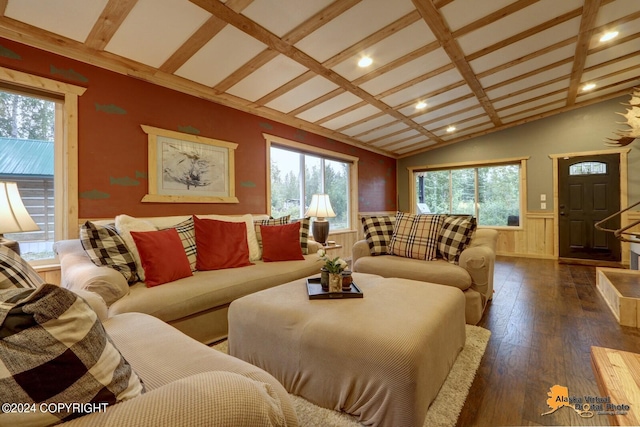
{"x": 382, "y": 358}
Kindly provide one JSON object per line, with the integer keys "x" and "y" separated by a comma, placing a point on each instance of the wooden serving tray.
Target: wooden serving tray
{"x": 314, "y": 288}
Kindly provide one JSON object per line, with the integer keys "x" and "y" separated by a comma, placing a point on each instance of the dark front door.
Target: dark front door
{"x": 589, "y": 190}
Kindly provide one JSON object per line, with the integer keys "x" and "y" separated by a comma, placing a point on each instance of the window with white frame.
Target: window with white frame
{"x": 298, "y": 172}
{"x": 491, "y": 193}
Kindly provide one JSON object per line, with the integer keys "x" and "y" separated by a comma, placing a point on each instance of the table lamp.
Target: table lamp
{"x": 320, "y": 208}
{"x": 14, "y": 217}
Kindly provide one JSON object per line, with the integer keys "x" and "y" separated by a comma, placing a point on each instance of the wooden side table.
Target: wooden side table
{"x": 617, "y": 373}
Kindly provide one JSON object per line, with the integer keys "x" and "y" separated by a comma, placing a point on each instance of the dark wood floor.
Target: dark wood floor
{"x": 544, "y": 318}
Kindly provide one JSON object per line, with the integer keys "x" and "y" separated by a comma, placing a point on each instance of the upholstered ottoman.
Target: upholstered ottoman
{"x": 382, "y": 358}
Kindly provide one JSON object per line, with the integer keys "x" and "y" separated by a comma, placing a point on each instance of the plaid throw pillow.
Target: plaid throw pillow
{"x": 378, "y": 231}
{"x": 15, "y": 272}
{"x": 284, "y": 220}
{"x": 53, "y": 349}
{"x": 416, "y": 236}
{"x": 455, "y": 236}
{"x": 104, "y": 246}
{"x": 305, "y": 225}
{"x": 186, "y": 231}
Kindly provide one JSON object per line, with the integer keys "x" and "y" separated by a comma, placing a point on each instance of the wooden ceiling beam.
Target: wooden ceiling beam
{"x": 3, "y": 6}
{"x": 341, "y": 112}
{"x": 440, "y": 29}
{"x": 530, "y": 73}
{"x": 200, "y": 38}
{"x": 320, "y": 100}
{"x": 263, "y": 35}
{"x": 286, "y": 88}
{"x": 589, "y": 14}
{"x": 364, "y": 120}
{"x": 493, "y": 17}
{"x": 112, "y": 16}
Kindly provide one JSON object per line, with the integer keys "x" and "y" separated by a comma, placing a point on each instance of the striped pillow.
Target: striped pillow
{"x": 305, "y": 225}
{"x": 104, "y": 246}
{"x": 69, "y": 358}
{"x": 15, "y": 272}
{"x": 416, "y": 236}
{"x": 378, "y": 231}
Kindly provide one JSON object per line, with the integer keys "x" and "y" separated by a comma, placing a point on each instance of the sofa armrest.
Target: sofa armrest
{"x": 479, "y": 260}
{"x": 79, "y": 272}
{"x": 360, "y": 249}
{"x": 213, "y": 398}
{"x": 313, "y": 247}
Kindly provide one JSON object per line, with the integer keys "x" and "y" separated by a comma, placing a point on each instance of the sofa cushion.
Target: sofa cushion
{"x": 416, "y": 236}
{"x": 162, "y": 256}
{"x": 247, "y": 219}
{"x": 281, "y": 242}
{"x": 271, "y": 221}
{"x": 378, "y": 231}
{"x": 15, "y": 272}
{"x": 187, "y": 233}
{"x": 125, "y": 224}
{"x": 455, "y": 236}
{"x": 105, "y": 247}
{"x": 221, "y": 244}
{"x": 53, "y": 349}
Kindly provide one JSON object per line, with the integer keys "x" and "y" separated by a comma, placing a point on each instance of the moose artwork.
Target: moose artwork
{"x": 186, "y": 168}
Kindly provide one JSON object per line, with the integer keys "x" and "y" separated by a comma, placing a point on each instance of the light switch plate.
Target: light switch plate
{"x": 543, "y": 197}
{"x": 543, "y": 205}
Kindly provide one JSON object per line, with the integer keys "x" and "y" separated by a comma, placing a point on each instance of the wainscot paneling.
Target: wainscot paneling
{"x": 534, "y": 239}
{"x": 49, "y": 273}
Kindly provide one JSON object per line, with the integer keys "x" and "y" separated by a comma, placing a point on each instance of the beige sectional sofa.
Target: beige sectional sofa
{"x": 473, "y": 274}
{"x": 196, "y": 305}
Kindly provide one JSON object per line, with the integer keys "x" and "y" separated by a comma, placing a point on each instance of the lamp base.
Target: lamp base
{"x": 11, "y": 244}
{"x": 320, "y": 231}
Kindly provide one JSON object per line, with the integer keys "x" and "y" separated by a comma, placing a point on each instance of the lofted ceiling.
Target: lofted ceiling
{"x": 478, "y": 65}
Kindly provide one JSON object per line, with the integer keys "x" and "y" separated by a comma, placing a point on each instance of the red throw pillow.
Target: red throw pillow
{"x": 221, "y": 244}
{"x": 162, "y": 256}
{"x": 281, "y": 242}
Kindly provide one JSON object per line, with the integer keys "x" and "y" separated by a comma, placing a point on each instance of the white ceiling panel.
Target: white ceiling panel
{"x": 613, "y": 52}
{"x": 457, "y": 13}
{"x": 516, "y": 23}
{"x": 599, "y": 71}
{"x": 465, "y": 124}
{"x": 453, "y": 120}
{"x": 616, "y": 79}
{"x": 615, "y": 10}
{"x": 383, "y": 132}
{"x": 403, "y": 150}
{"x": 352, "y": 116}
{"x": 534, "y": 112}
{"x": 69, "y": 18}
{"x": 469, "y": 131}
{"x": 404, "y": 135}
{"x": 360, "y": 21}
{"x": 406, "y": 72}
{"x": 530, "y": 94}
{"x": 370, "y": 124}
{"x": 419, "y": 91}
{"x": 554, "y": 56}
{"x": 411, "y": 141}
{"x": 303, "y": 94}
{"x": 532, "y": 104}
{"x": 532, "y": 44}
{"x": 333, "y": 105}
{"x": 205, "y": 66}
{"x": 624, "y": 30}
{"x": 449, "y": 109}
{"x": 393, "y": 47}
{"x": 282, "y": 16}
{"x": 582, "y": 97}
{"x": 557, "y": 72}
{"x": 174, "y": 21}
{"x": 442, "y": 98}
{"x": 267, "y": 78}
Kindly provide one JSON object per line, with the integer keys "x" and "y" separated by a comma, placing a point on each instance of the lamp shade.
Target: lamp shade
{"x": 320, "y": 207}
{"x": 14, "y": 217}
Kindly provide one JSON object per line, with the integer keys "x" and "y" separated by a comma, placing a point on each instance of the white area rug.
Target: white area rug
{"x": 444, "y": 410}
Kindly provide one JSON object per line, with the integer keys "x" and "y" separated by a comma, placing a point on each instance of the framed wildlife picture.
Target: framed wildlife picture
{"x": 185, "y": 168}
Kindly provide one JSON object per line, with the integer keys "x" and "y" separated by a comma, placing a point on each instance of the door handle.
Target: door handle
{"x": 562, "y": 213}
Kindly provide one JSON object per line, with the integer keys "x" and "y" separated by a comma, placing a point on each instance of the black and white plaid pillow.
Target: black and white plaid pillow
{"x": 455, "y": 236}
{"x": 15, "y": 272}
{"x": 105, "y": 247}
{"x": 305, "y": 226}
{"x": 378, "y": 231}
{"x": 187, "y": 232}
{"x": 53, "y": 349}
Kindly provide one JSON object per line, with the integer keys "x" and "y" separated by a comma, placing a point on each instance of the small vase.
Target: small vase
{"x": 346, "y": 281}
{"x": 324, "y": 279}
{"x": 335, "y": 282}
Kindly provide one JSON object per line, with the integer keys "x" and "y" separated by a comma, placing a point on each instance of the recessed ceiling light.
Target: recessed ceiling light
{"x": 420, "y": 105}
{"x": 588, "y": 87}
{"x": 608, "y": 36}
{"x": 365, "y": 61}
{"x": 451, "y": 129}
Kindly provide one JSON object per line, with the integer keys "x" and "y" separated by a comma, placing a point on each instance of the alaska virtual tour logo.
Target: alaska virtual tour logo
{"x": 585, "y": 406}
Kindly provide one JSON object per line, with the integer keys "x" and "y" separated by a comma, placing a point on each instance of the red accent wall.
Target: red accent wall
{"x": 113, "y": 148}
